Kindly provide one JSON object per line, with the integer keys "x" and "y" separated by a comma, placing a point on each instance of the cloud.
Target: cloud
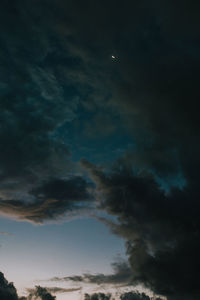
{"x": 123, "y": 296}
{"x": 8, "y": 292}
{"x": 57, "y": 68}
{"x": 151, "y": 83}
{"x": 121, "y": 276}
{"x": 155, "y": 89}
{"x": 55, "y": 290}
{"x": 55, "y": 63}
{"x": 39, "y": 98}
{"x": 50, "y": 201}
{"x": 161, "y": 230}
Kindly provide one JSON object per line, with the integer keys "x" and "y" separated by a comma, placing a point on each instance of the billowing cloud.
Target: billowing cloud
{"x": 8, "y": 292}
{"x": 51, "y": 200}
{"x": 121, "y": 276}
{"x": 39, "y": 98}
{"x": 45, "y": 293}
{"x": 56, "y": 68}
{"x": 156, "y": 90}
{"x": 162, "y": 230}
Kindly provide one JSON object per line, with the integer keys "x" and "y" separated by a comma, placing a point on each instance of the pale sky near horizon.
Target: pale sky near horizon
{"x": 31, "y": 253}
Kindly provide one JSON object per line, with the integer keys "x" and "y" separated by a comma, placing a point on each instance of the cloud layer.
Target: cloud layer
{"x": 8, "y": 292}
{"x": 50, "y": 201}
{"x": 37, "y": 99}
{"x": 56, "y": 69}
{"x": 122, "y": 275}
{"x": 162, "y": 231}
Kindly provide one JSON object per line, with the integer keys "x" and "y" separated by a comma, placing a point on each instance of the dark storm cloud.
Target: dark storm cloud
{"x": 51, "y": 200}
{"x": 8, "y": 292}
{"x": 121, "y": 276}
{"x": 155, "y": 89}
{"x": 40, "y": 92}
{"x": 56, "y": 58}
{"x": 162, "y": 231}
{"x": 153, "y": 83}
{"x": 156, "y": 86}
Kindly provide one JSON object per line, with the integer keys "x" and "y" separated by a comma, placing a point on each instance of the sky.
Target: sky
{"x": 99, "y": 149}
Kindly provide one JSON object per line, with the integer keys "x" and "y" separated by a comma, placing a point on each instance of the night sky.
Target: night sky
{"x": 99, "y": 149}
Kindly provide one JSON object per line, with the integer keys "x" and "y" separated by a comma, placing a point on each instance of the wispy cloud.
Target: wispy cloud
{"x": 55, "y": 290}
{"x": 121, "y": 276}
